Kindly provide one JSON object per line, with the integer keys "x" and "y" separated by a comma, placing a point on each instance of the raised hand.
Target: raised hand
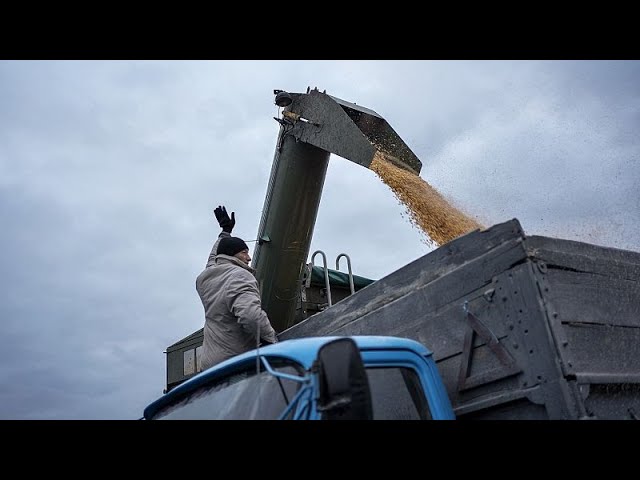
{"x": 226, "y": 223}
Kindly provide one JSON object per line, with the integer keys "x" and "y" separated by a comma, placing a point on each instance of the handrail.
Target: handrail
{"x": 353, "y": 290}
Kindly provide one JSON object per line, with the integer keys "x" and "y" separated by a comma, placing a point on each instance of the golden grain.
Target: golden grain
{"x": 427, "y": 208}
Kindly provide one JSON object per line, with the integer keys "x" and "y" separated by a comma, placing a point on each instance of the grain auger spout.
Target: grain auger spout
{"x": 313, "y": 125}
{"x": 345, "y": 129}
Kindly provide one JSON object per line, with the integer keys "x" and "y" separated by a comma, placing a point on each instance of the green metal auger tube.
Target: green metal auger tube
{"x": 313, "y": 125}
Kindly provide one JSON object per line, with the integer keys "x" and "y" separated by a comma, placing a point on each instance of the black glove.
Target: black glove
{"x": 224, "y": 221}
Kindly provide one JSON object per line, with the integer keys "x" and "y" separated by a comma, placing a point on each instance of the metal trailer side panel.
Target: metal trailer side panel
{"x": 592, "y": 299}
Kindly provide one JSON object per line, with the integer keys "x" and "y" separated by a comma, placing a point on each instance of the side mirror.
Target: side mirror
{"x": 343, "y": 382}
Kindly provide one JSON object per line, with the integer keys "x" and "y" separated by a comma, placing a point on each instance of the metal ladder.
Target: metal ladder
{"x": 326, "y": 272}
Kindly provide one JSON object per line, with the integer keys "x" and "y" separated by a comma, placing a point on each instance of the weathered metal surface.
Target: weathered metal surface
{"x": 533, "y": 344}
{"x": 592, "y": 300}
{"x": 345, "y": 129}
{"x": 602, "y": 349}
{"x": 588, "y": 298}
{"x": 583, "y": 257}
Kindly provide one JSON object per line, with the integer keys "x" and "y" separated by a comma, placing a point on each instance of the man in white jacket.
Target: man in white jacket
{"x": 234, "y": 319}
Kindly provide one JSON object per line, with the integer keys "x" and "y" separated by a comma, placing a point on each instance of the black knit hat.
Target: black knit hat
{"x": 231, "y": 245}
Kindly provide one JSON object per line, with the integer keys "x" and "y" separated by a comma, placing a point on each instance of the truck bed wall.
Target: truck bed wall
{"x": 592, "y": 298}
{"x": 521, "y": 328}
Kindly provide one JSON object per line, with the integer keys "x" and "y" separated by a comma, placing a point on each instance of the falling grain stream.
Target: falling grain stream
{"x": 428, "y": 209}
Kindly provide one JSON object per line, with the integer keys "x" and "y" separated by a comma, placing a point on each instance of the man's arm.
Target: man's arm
{"x": 214, "y": 249}
{"x": 226, "y": 223}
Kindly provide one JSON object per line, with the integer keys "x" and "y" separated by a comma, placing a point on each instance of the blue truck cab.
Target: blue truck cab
{"x": 317, "y": 378}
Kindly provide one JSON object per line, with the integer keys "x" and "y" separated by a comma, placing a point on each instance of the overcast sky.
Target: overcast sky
{"x": 110, "y": 170}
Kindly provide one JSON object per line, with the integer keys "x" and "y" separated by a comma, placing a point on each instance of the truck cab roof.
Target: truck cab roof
{"x": 301, "y": 350}
{"x": 305, "y": 350}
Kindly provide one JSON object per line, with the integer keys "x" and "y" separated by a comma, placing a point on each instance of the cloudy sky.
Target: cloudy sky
{"x": 110, "y": 170}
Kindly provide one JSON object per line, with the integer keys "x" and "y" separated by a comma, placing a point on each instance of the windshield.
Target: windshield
{"x": 243, "y": 395}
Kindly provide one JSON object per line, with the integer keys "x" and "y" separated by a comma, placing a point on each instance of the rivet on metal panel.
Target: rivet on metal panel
{"x": 542, "y": 267}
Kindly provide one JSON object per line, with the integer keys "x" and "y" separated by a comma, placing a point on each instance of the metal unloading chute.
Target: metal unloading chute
{"x": 313, "y": 126}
